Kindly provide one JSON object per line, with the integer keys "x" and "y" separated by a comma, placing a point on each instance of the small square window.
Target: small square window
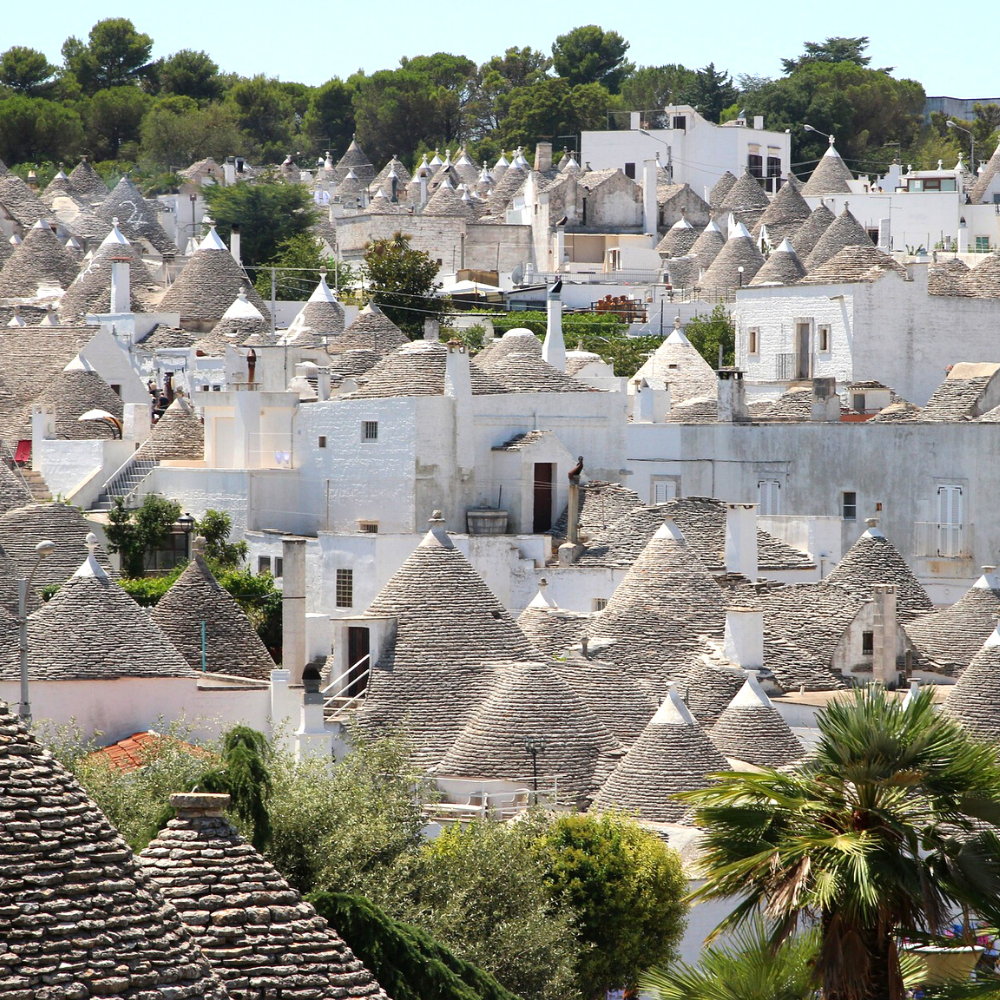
{"x": 322, "y": 441}
{"x": 263, "y": 564}
{"x": 369, "y": 430}
{"x": 368, "y": 527}
{"x": 116, "y": 389}
{"x": 867, "y": 643}
{"x": 598, "y": 603}
{"x": 849, "y": 506}
{"x": 278, "y": 566}
{"x": 345, "y": 588}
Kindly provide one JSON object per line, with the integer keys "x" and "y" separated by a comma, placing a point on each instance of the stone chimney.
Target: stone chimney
{"x": 543, "y": 156}
{"x": 743, "y": 642}
{"x": 825, "y": 401}
{"x": 293, "y": 607}
{"x": 196, "y": 805}
{"x": 571, "y": 550}
{"x": 732, "y": 400}
{"x": 121, "y": 294}
{"x": 554, "y": 347}
{"x": 234, "y": 243}
{"x": 649, "y": 206}
{"x": 458, "y": 386}
{"x": 650, "y": 403}
{"x": 741, "y": 539}
{"x": 432, "y": 330}
{"x": 229, "y": 171}
{"x": 312, "y": 739}
{"x": 884, "y": 647}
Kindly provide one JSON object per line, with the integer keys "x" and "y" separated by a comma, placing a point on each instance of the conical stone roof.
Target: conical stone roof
{"x": 241, "y": 320}
{"x": 552, "y": 630}
{"x": 505, "y": 189}
{"x": 947, "y": 640}
{"x": 707, "y": 689}
{"x": 873, "y": 559}
{"x": 975, "y": 699}
{"x": 830, "y": 176}
{"x": 72, "y": 393}
{"x": 136, "y": 217}
{"x": 739, "y": 251}
{"x": 322, "y": 316}
{"x": 383, "y": 179}
{"x": 678, "y": 362}
{"x": 720, "y": 189}
{"x": 746, "y": 200}
{"x": 679, "y": 239}
{"x": 844, "y": 231}
{"x": 450, "y": 634}
{"x": 248, "y": 920}
{"x": 750, "y": 729}
{"x": 665, "y": 603}
{"x": 445, "y": 201}
{"x": 21, "y": 203}
{"x": 854, "y": 263}
{"x": 207, "y": 286}
{"x": 784, "y": 215}
{"x": 22, "y": 528}
{"x": 672, "y": 755}
{"x": 13, "y": 492}
{"x": 531, "y": 705}
{"x": 177, "y": 436}
{"x": 782, "y": 267}
{"x": 87, "y": 182}
{"x": 196, "y": 601}
{"x": 92, "y": 630}
{"x": 80, "y": 917}
{"x": 811, "y": 231}
{"x": 355, "y": 159}
{"x": 40, "y": 259}
{"x": 527, "y": 372}
{"x": 517, "y": 341}
{"x": 371, "y": 330}
{"x": 709, "y": 244}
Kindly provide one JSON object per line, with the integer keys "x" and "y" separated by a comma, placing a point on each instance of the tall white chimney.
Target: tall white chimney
{"x": 293, "y": 607}
{"x": 884, "y": 640}
{"x": 649, "y": 207}
{"x": 121, "y": 295}
{"x": 741, "y": 539}
{"x": 458, "y": 386}
{"x": 743, "y": 642}
{"x": 554, "y": 347}
{"x": 234, "y": 243}
{"x": 732, "y": 397}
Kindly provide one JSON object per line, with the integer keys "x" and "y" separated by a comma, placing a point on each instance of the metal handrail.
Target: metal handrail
{"x": 345, "y": 679}
{"x": 11, "y": 463}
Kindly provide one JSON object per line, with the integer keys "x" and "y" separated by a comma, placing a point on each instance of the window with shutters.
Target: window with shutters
{"x": 263, "y": 564}
{"x": 663, "y": 489}
{"x": 598, "y": 603}
{"x": 769, "y": 497}
{"x": 950, "y": 519}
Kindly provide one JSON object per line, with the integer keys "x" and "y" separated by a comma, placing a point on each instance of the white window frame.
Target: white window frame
{"x": 598, "y": 603}
{"x": 667, "y": 487}
{"x": 951, "y": 501}
{"x": 369, "y": 431}
{"x": 824, "y": 330}
{"x": 843, "y": 504}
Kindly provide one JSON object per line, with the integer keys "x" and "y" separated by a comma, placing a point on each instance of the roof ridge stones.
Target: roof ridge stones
{"x": 80, "y": 916}
{"x": 673, "y": 754}
{"x": 208, "y": 627}
{"x": 873, "y": 559}
{"x": 256, "y": 930}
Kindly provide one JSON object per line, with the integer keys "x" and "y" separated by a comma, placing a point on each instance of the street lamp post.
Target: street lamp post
{"x": 972, "y": 141}
{"x": 670, "y": 157}
{"x": 43, "y": 549}
{"x": 534, "y": 746}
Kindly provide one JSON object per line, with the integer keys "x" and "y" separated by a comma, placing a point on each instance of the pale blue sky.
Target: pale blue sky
{"x": 311, "y": 42}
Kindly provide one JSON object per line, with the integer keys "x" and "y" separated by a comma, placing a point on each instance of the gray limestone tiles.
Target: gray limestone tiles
{"x": 80, "y": 918}
{"x": 672, "y": 755}
{"x": 975, "y": 699}
{"x": 751, "y": 730}
{"x": 256, "y": 931}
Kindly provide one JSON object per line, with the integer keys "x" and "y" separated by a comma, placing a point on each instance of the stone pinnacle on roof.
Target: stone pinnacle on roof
{"x": 873, "y": 559}
{"x": 782, "y": 267}
{"x": 208, "y": 627}
{"x": 975, "y": 699}
{"x": 80, "y": 917}
{"x": 750, "y": 729}
{"x": 248, "y": 920}
{"x": 830, "y": 176}
{"x": 672, "y": 755}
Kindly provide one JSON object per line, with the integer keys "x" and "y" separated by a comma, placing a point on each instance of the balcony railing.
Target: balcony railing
{"x": 938, "y": 540}
{"x": 791, "y": 367}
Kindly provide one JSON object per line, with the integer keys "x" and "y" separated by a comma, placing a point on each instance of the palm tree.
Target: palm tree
{"x": 746, "y": 968}
{"x": 886, "y": 831}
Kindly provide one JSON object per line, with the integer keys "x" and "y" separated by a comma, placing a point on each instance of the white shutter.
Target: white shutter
{"x": 664, "y": 490}
{"x": 950, "y": 520}
{"x": 769, "y": 497}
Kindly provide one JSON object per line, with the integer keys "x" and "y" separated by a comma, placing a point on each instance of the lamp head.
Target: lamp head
{"x": 45, "y": 548}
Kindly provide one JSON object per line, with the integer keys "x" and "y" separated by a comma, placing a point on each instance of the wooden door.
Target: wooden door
{"x": 542, "y": 516}
{"x": 358, "y": 647}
